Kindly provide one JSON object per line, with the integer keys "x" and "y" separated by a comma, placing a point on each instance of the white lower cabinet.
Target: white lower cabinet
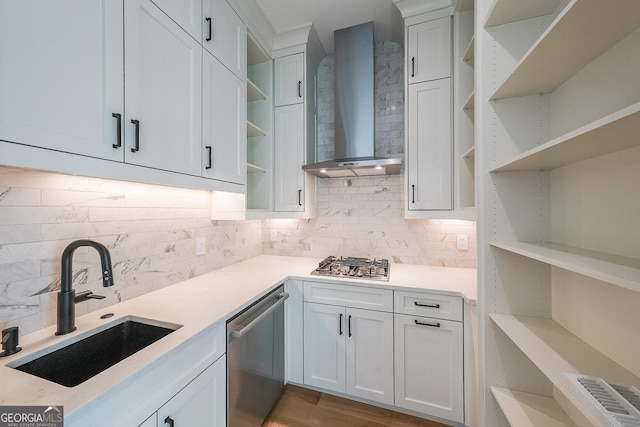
{"x": 201, "y": 403}
{"x": 429, "y": 366}
{"x": 349, "y": 350}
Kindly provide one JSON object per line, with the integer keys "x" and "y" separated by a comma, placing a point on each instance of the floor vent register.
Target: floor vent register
{"x": 619, "y": 404}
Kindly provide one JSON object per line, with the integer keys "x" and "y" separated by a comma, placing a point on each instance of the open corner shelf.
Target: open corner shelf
{"x": 617, "y": 270}
{"x": 469, "y": 52}
{"x": 470, "y": 153}
{"x": 254, "y": 93}
{"x": 253, "y": 130}
{"x": 251, "y": 168}
{"x": 470, "y": 102}
{"x": 532, "y": 410}
{"x": 507, "y": 11}
{"x": 556, "y": 351}
{"x": 620, "y": 130}
{"x": 579, "y": 34}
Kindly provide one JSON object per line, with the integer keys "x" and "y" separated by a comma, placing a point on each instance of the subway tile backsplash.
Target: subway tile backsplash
{"x": 150, "y": 231}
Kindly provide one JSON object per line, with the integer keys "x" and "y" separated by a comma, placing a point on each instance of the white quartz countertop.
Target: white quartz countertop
{"x": 196, "y": 304}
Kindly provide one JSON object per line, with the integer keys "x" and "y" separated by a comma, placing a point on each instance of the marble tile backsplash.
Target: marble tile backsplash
{"x": 363, "y": 217}
{"x": 150, "y": 231}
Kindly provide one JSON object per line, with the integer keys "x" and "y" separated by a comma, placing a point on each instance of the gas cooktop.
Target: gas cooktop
{"x": 355, "y": 268}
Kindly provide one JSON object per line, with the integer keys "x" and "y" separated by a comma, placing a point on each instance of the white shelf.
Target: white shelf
{"x": 254, "y": 93}
{"x": 469, "y": 52}
{"x": 609, "y": 134}
{"x": 251, "y": 168}
{"x": 556, "y": 351}
{"x": 614, "y": 269}
{"x": 470, "y": 153}
{"x": 253, "y": 130}
{"x": 507, "y": 11}
{"x": 580, "y": 33}
{"x": 530, "y": 410}
{"x": 470, "y": 102}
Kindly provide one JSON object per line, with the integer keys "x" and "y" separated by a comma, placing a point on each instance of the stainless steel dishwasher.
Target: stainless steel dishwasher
{"x": 255, "y": 360}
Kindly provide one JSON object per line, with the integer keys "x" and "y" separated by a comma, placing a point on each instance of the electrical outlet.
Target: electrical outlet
{"x": 274, "y": 235}
{"x": 201, "y": 245}
{"x": 462, "y": 242}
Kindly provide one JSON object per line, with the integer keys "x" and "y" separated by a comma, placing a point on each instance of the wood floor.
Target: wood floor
{"x": 300, "y": 407}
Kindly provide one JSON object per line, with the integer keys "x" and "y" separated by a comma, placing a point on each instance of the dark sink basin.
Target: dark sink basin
{"x": 77, "y": 362}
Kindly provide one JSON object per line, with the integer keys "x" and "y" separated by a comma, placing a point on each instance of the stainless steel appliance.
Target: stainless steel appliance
{"x": 255, "y": 359}
{"x": 358, "y": 268}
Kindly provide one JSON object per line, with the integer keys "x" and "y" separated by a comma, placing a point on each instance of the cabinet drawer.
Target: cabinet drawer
{"x": 349, "y": 296}
{"x": 429, "y": 305}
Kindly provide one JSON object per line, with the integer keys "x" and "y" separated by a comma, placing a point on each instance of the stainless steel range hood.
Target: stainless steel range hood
{"x": 354, "y": 110}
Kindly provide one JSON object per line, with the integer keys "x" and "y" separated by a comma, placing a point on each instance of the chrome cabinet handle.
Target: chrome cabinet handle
{"x": 210, "y": 30}
{"x": 136, "y": 143}
{"x": 416, "y": 303}
{"x": 433, "y": 325}
{"x": 118, "y": 118}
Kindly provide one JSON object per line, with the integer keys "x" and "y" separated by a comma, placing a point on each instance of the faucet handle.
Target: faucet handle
{"x": 86, "y": 295}
{"x": 10, "y": 341}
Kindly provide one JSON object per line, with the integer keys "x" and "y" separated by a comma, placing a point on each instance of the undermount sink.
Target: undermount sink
{"x": 82, "y": 359}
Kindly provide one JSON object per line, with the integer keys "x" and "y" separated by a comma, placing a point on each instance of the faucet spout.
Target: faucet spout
{"x": 66, "y": 296}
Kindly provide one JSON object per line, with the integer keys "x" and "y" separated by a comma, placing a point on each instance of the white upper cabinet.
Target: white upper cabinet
{"x": 163, "y": 91}
{"x": 289, "y": 158}
{"x": 225, "y": 35}
{"x": 61, "y": 77}
{"x": 224, "y": 127}
{"x": 186, "y": 13}
{"x": 429, "y": 148}
{"x": 429, "y": 50}
{"x": 289, "y": 86}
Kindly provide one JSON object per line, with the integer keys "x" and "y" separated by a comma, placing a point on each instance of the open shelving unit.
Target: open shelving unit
{"x": 574, "y": 39}
{"x": 464, "y": 43}
{"x": 259, "y": 131}
{"x": 536, "y": 410}
{"x": 557, "y": 122}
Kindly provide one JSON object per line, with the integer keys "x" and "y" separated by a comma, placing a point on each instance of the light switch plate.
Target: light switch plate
{"x": 274, "y": 235}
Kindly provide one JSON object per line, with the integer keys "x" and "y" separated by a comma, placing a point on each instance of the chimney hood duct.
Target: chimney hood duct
{"x": 354, "y": 110}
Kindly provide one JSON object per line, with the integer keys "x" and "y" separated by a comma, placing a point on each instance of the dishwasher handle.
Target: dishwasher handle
{"x": 237, "y": 333}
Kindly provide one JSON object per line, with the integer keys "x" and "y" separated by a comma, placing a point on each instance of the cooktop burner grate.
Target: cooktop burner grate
{"x": 354, "y": 267}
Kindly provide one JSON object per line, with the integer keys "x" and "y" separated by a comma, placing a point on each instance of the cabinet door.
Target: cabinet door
{"x": 369, "y": 351}
{"x": 289, "y": 80}
{"x": 61, "y": 75}
{"x": 224, "y": 126}
{"x": 429, "y": 366}
{"x": 163, "y": 91}
{"x": 429, "y": 156}
{"x": 202, "y": 402}
{"x": 324, "y": 346}
{"x": 289, "y": 157}
{"x": 186, "y": 13}
{"x": 429, "y": 50}
{"x": 225, "y": 35}
{"x": 152, "y": 421}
